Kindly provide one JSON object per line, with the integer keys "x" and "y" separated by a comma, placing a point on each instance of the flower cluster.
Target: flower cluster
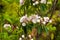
{"x": 23, "y": 37}
{"x": 34, "y": 19}
{"x": 35, "y": 2}
{"x": 6, "y": 26}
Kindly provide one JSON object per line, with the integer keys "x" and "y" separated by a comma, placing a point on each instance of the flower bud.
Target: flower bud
{"x": 23, "y": 24}
{"x": 23, "y": 36}
{"x": 20, "y": 38}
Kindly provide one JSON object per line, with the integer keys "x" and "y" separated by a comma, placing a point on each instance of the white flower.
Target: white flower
{"x": 24, "y": 18}
{"x": 23, "y": 36}
{"x": 43, "y": 1}
{"x": 35, "y": 18}
{"x": 36, "y": 2}
{"x": 32, "y": 39}
{"x": 46, "y": 19}
{"x": 44, "y": 23}
{"x": 23, "y": 24}
{"x": 7, "y": 25}
{"x": 20, "y": 38}
{"x": 34, "y": 21}
{"x": 29, "y": 36}
{"x": 21, "y": 2}
{"x": 38, "y": 20}
{"x": 50, "y": 21}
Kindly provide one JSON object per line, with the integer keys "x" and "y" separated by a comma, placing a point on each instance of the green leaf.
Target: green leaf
{"x": 46, "y": 30}
{"x": 39, "y": 29}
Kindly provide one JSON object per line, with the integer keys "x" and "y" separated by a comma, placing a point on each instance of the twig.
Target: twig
{"x": 52, "y": 9}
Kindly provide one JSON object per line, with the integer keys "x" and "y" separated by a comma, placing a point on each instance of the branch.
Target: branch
{"x": 52, "y": 9}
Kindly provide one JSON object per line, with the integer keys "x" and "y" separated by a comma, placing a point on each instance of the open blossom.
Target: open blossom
{"x": 21, "y": 2}
{"x": 41, "y": 19}
{"x": 46, "y": 19}
{"x": 23, "y": 24}
{"x": 43, "y": 1}
{"x": 24, "y": 19}
{"x": 34, "y": 18}
{"x": 7, "y": 25}
{"x": 34, "y": 21}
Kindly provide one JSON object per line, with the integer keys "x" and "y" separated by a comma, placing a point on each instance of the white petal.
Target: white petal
{"x": 22, "y": 19}
{"x": 34, "y": 20}
{"x": 44, "y": 23}
{"x": 23, "y": 24}
{"x": 38, "y": 20}
{"x": 23, "y": 36}
{"x": 7, "y": 25}
{"x": 46, "y": 19}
